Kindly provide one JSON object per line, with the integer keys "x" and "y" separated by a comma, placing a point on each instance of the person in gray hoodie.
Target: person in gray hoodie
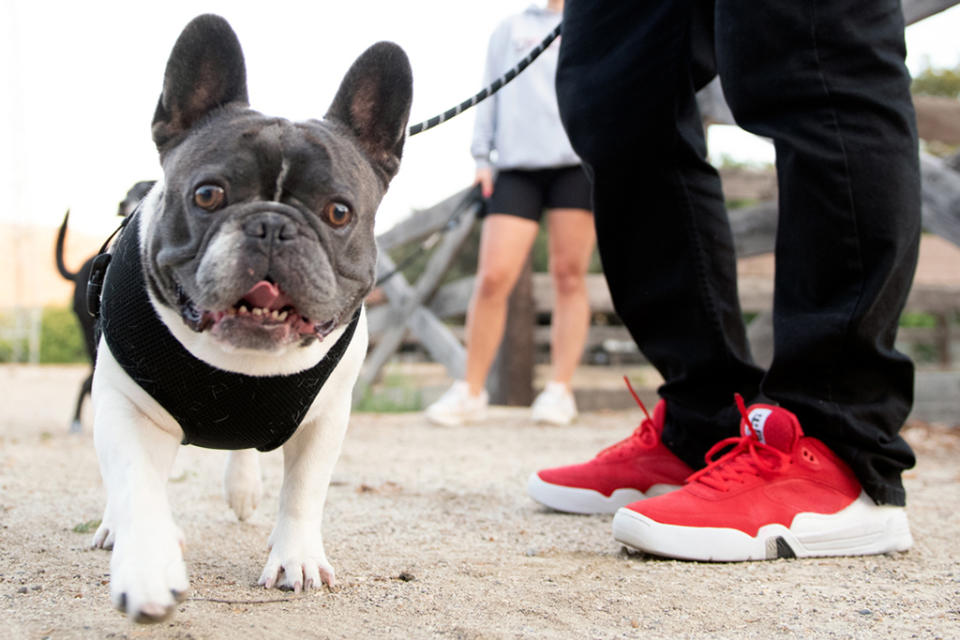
{"x": 525, "y": 166}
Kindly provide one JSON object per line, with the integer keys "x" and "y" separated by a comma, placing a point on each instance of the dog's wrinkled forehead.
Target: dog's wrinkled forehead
{"x": 258, "y": 157}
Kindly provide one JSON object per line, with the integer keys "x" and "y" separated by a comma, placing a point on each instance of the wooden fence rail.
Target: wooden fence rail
{"x": 406, "y": 310}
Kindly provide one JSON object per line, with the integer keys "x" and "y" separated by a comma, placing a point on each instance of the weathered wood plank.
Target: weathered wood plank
{"x": 754, "y": 229}
{"x": 938, "y": 118}
{"x": 616, "y": 339}
{"x": 756, "y": 294}
{"x": 510, "y": 381}
{"x": 406, "y": 308}
{"x": 424, "y": 222}
{"x": 936, "y": 396}
{"x": 435, "y": 337}
{"x": 439, "y": 342}
{"x": 378, "y": 319}
{"x": 596, "y": 337}
{"x": 452, "y": 298}
{"x": 941, "y": 198}
{"x": 916, "y": 10}
{"x": 934, "y": 298}
{"x": 388, "y": 341}
{"x": 444, "y": 255}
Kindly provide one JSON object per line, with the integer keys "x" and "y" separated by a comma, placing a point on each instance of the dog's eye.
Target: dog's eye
{"x": 209, "y": 197}
{"x": 337, "y": 214}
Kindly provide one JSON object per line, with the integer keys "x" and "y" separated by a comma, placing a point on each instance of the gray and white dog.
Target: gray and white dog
{"x": 232, "y": 311}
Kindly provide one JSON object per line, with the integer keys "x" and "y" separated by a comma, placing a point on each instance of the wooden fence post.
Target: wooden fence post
{"x": 511, "y": 377}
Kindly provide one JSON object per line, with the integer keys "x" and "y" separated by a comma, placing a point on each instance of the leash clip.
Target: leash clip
{"x": 95, "y": 283}
{"x": 98, "y": 269}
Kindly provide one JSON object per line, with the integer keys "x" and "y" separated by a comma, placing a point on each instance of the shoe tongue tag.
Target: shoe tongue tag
{"x": 773, "y": 426}
{"x": 757, "y": 423}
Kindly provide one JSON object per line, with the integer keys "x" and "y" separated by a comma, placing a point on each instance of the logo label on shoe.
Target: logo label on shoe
{"x": 758, "y": 419}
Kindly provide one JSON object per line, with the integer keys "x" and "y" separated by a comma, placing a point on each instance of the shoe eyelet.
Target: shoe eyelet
{"x": 808, "y": 456}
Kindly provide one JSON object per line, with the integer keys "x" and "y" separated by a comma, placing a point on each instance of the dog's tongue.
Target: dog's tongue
{"x": 266, "y": 295}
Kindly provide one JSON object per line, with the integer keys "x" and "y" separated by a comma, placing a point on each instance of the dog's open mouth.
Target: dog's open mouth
{"x": 265, "y": 307}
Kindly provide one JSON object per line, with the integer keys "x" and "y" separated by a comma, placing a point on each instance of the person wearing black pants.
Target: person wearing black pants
{"x": 826, "y": 81}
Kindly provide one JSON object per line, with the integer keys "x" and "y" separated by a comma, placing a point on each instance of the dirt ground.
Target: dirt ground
{"x": 432, "y": 535}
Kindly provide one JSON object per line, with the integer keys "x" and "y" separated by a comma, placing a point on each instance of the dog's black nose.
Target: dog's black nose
{"x": 271, "y": 227}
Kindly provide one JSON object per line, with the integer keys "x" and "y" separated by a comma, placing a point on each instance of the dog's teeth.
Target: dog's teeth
{"x": 242, "y": 310}
{"x": 282, "y": 316}
{"x": 275, "y": 315}
{"x": 257, "y": 311}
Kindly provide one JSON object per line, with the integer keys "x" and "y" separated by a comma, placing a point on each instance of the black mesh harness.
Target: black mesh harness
{"x": 216, "y": 409}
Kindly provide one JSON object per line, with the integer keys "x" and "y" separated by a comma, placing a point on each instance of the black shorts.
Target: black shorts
{"x": 525, "y": 193}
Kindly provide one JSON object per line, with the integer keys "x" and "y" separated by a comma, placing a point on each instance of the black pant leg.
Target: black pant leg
{"x": 825, "y": 79}
{"x": 625, "y": 86}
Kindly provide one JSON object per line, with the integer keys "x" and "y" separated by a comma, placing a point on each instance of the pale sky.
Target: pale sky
{"x": 79, "y": 82}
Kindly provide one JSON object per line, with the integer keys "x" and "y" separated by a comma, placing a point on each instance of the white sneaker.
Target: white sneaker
{"x": 555, "y": 405}
{"x": 458, "y": 406}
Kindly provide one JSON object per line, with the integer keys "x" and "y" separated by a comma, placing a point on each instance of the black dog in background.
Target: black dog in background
{"x": 79, "y": 280}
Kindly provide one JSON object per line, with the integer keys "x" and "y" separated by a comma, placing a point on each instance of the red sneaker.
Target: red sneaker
{"x": 775, "y": 494}
{"x": 633, "y": 469}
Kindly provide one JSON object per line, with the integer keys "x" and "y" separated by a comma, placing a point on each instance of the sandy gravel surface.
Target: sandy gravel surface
{"x": 432, "y": 536}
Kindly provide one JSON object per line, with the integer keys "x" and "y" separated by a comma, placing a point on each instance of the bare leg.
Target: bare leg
{"x": 504, "y": 244}
{"x": 571, "y": 241}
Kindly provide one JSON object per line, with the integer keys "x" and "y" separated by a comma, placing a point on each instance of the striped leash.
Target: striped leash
{"x": 485, "y": 93}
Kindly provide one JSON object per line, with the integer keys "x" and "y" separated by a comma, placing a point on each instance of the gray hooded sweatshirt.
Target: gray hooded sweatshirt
{"x": 519, "y": 126}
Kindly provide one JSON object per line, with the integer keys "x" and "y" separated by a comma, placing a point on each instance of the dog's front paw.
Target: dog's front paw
{"x": 104, "y": 536}
{"x": 147, "y": 575}
{"x": 242, "y": 484}
{"x": 297, "y": 561}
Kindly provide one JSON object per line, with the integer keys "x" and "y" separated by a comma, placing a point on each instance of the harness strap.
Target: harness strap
{"x": 216, "y": 409}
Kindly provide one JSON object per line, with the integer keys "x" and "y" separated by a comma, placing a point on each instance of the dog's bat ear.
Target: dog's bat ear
{"x": 205, "y": 71}
{"x": 374, "y": 103}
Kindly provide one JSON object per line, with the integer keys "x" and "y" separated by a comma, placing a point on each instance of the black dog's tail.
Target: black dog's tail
{"x": 58, "y": 253}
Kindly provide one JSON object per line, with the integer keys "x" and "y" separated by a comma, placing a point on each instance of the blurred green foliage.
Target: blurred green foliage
{"x": 396, "y": 393}
{"x": 61, "y": 341}
{"x": 937, "y": 82}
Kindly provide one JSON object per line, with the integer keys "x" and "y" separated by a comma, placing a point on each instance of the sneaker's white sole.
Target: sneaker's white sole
{"x": 587, "y": 501}
{"x": 863, "y": 528}
{"x": 548, "y": 416}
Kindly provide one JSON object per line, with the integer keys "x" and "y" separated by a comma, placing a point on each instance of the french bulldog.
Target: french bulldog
{"x": 231, "y": 311}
